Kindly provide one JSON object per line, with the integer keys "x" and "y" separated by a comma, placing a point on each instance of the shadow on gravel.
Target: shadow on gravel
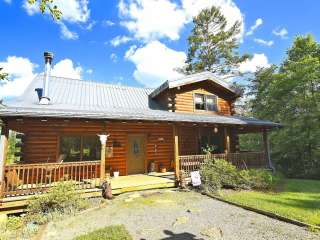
{"x": 180, "y": 236}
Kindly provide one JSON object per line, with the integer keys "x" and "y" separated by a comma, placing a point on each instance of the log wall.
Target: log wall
{"x": 42, "y": 139}
{"x": 182, "y": 99}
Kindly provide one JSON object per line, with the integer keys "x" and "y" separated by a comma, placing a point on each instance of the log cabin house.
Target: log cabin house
{"x": 83, "y": 131}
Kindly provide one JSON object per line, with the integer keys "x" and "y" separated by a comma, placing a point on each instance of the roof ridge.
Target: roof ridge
{"x": 99, "y": 82}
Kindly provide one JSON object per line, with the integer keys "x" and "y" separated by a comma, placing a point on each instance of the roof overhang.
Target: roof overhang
{"x": 194, "y": 78}
{"x": 152, "y": 115}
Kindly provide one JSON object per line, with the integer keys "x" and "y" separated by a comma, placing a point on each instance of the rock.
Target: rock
{"x": 213, "y": 233}
{"x": 180, "y": 220}
{"x": 193, "y": 210}
{"x": 135, "y": 195}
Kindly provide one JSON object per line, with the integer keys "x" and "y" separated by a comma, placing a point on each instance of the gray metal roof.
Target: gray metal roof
{"x": 194, "y": 78}
{"x": 72, "y": 98}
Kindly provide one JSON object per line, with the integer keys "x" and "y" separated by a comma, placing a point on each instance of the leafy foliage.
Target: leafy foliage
{"x": 117, "y": 232}
{"x": 48, "y": 4}
{"x": 290, "y": 94}
{"x": 212, "y": 46}
{"x": 61, "y": 199}
{"x": 3, "y": 75}
{"x": 219, "y": 173}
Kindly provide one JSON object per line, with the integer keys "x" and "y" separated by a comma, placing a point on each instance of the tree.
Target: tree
{"x": 47, "y": 4}
{"x": 290, "y": 94}
{"x": 212, "y": 46}
{"x": 3, "y": 75}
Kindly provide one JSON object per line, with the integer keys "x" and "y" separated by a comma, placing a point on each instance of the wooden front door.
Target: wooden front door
{"x": 136, "y": 154}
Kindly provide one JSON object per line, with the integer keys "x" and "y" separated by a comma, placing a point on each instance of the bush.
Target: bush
{"x": 117, "y": 232}
{"x": 219, "y": 173}
{"x": 61, "y": 199}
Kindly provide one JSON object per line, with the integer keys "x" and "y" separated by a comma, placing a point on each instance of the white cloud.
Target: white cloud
{"x": 21, "y": 73}
{"x": 263, "y": 42}
{"x": 114, "y": 57}
{"x": 89, "y": 71}
{"x": 74, "y": 11}
{"x": 120, "y": 40}
{"x": 65, "y": 68}
{"x": 66, "y": 33}
{"x": 258, "y": 23}
{"x": 253, "y": 64}
{"x": 155, "y": 63}
{"x": 283, "y": 32}
{"x": 228, "y": 8}
{"x": 152, "y": 19}
{"x": 108, "y": 23}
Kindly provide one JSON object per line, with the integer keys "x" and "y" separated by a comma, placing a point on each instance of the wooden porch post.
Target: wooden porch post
{"x": 103, "y": 140}
{"x": 227, "y": 140}
{"x": 267, "y": 149}
{"x": 176, "y": 152}
{"x": 3, "y": 154}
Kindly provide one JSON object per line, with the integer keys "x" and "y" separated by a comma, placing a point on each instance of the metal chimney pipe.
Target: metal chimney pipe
{"x": 45, "y": 100}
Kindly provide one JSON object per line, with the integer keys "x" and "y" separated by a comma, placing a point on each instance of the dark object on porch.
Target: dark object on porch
{"x": 106, "y": 190}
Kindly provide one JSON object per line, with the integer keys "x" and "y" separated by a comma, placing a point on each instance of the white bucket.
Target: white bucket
{"x": 116, "y": 174}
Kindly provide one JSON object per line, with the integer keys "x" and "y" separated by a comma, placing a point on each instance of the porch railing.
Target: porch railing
{"x": 26, "y": 179}
{"x": 189, "y": 163}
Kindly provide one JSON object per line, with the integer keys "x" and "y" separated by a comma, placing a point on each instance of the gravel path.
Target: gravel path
{"x": 174, "y": 215}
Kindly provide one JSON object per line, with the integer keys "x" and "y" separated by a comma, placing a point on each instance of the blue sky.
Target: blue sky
{"x": 137, "y": 42}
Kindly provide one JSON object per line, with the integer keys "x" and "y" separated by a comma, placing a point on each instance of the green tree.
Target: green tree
{"x": 47, "y": 5}
{"x": 3, "y": 75}
{"x": 212, "y": 45}
{"x": 290, "y": 94}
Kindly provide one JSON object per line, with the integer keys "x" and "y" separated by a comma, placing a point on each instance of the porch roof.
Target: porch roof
{"x": 72, "y": 98}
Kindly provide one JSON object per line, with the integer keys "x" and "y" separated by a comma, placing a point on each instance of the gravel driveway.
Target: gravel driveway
{"x": 173, "y": 215}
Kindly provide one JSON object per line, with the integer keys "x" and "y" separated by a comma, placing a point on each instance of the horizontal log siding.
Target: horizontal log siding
{"x": 42, "y": 139}
{"x": 188, "y": 140}
{"x": 184, "y": 101}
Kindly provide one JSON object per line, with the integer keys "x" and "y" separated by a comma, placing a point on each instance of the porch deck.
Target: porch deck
{"x": 121, "y": 184}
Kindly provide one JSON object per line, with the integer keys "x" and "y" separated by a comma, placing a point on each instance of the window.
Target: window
{"x": 80, "y": 148}
{"x": 205, "y": 102}
{"x": 211, "y": 103}
{"x": 199, "y": 101}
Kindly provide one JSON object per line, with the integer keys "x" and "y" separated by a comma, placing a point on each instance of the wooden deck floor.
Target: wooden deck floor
{"x": 119, "y": 185}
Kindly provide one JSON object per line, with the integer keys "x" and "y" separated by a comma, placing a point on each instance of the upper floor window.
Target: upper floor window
{"x": 205, "y": 102}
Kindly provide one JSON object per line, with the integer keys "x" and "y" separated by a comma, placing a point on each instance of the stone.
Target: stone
{"x": 213, "y": 233}
{"x": 180, "y": 221}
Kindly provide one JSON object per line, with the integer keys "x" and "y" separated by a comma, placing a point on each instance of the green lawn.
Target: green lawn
{"x": 296, "y": 199}
{"x": 117, "y": 232}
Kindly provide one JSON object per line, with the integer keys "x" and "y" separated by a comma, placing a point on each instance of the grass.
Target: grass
{"x": 116, "y": 232}
{"x": 296, "y": 199}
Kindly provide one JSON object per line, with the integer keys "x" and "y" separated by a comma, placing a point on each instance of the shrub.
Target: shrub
{"x": 61, "y": 199}
{"x": 117, "y": 232}
{"x": 219, "y": 173}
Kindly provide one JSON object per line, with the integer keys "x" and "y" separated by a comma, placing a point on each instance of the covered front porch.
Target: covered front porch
{"x": 169, "y": 147}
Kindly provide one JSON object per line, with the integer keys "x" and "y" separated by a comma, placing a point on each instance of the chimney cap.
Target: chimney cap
{"x": 48, "y": 56}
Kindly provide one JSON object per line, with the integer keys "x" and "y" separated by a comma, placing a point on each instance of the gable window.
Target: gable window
{"x": 211, "y": 103}
{"x": 199, "y": 101}
{"x": 205, "y": 102}
{"x": 80, "y": 148}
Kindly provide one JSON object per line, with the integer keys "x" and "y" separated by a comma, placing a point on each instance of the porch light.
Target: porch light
{"x": 215, "y": 129}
